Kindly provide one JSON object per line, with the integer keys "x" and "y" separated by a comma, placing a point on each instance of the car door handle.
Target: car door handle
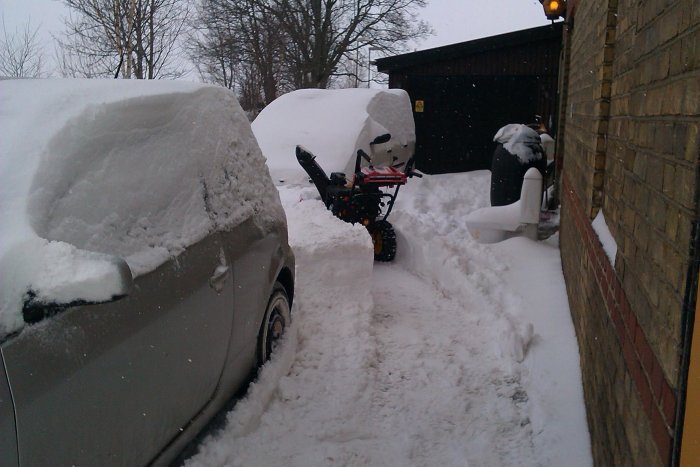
{"x": 217, "y": 281}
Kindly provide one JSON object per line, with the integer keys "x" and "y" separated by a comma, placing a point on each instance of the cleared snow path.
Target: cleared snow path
{"x": 431, "y": 385}
{"x": 456, "y": 354}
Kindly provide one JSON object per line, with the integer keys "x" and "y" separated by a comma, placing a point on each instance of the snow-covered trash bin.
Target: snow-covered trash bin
{"x": 333, "y": 125}
{"x": 518, "y": 149}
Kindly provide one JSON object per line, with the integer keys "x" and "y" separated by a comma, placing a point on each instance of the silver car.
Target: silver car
{"x": 150, "y": 275}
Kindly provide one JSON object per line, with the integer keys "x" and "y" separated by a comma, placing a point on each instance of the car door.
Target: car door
{"x": 112, "y": 384}
{"x": 255, "y": 270}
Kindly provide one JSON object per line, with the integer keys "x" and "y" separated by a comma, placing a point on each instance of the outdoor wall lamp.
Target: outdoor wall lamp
{"x": 554, "y": 9}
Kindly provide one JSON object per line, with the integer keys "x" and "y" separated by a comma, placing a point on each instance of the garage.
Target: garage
{"x": 463, "y": 93}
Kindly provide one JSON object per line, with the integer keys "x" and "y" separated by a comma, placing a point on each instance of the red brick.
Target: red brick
{"x": 638, "y": 376}
{"x": 627, "y": 351}
{"x": 609, "y": 298}
{"x": 600, "y": 255}
{"x": 599, "y": 267}
{"x": 668, "y": 404}
{"x": 645, "y": 395}
{"x": 609, "y": 271}
{"x": 620, "y": 295}
{"x": 657, "y": 380}
{"x": 630, "y": 318}
{"x": 617, "y": 320}
{"x": 643, "y": 350}
{"x": 662, "y": 439}
{"x": 600, "y": 274}
{"x": 625, "y": 304}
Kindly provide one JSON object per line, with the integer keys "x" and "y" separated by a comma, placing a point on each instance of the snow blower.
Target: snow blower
{"x": 362, "y": 199}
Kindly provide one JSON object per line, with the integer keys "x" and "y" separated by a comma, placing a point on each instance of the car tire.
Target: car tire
{"x": 277, "y": 319}
{"x": 384, "y": 240}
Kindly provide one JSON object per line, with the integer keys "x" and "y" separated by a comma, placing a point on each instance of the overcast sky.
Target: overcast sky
{"x": 463, "y": 20}
{"x": 453, "y": 20}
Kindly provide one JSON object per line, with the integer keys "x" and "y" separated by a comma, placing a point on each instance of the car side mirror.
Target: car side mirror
{"x": 96, "y": 279}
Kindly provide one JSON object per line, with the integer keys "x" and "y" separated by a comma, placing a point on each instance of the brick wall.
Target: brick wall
{"x": 631, "y": 136}
{"x": 618, "y": 413}
{"x": 652, "y": 158}
{"x": 587, "y": 99}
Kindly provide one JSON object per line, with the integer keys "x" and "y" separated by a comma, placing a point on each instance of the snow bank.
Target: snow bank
{"x": 551, "y": 371}
{"x": 333, "y": 125}
{"x": 138, "y": 170}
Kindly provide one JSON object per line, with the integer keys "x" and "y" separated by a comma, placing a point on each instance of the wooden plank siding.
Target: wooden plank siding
{"x": 519, "y": 68}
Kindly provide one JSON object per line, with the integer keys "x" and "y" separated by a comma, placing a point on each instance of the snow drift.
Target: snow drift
{"x": 333, "y": 125}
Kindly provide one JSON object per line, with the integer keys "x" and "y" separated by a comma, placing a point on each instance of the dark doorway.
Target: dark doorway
{"x": 461, "y": 114}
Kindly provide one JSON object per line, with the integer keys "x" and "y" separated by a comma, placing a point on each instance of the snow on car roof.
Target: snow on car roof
{"x": 135, "y": 169}
{"x": 333, "y": 125}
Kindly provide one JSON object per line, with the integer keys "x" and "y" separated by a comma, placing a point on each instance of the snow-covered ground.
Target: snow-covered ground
{"x": 456, "y": 354}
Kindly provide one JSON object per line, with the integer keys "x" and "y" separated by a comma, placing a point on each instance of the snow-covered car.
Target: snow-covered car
{"x": 333, "y": 125}
{"x": 144, "y": 267}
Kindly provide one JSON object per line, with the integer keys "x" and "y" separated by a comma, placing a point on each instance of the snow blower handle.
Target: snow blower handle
{"x": 409, "y": 169}
{"x": 380, "y": 139}
{"x": 361, "y": 155}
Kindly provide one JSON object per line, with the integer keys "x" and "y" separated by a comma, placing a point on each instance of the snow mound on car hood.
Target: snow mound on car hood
{"x": 333, "y": 125}
{"x": 138, "y": 170}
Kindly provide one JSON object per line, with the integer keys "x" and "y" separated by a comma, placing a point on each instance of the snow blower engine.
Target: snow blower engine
{"x": 362, "y": 199}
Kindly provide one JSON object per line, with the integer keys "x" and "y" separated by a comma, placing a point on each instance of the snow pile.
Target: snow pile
{"x": 333, "y": 125}
{"x": 138, "y": 170}
{"x": 605, "y": 236}
{"x": 519, "y": 140}
{"x": 463, "y": 353}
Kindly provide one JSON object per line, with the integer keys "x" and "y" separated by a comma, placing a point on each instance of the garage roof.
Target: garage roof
{"x": 478, "y": 46}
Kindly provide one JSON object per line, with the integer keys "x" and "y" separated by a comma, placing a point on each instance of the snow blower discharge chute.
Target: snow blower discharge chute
{"x": 362, "y": 198}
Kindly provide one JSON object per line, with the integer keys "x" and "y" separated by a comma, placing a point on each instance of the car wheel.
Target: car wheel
{"x": 384, "y": 240}
{"x": 277, "y": 319}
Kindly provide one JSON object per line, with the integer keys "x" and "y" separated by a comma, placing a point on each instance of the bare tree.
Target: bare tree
{"x": 215, "y": 50}
{"x": 323, "y": 33}
{"x": 237, "y": 45}
{"x": 124, "y": 38}
{"x": 292, "y": 44}
{"x": 20, "y": 53}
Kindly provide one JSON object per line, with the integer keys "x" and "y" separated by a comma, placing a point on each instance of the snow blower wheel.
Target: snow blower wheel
{"x": 384, "y": 240}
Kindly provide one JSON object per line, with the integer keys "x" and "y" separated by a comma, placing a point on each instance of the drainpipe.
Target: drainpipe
{"x": 563, "y": 85}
